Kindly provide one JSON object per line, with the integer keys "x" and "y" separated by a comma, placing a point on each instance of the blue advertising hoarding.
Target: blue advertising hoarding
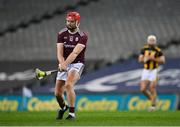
{"x": 99, "y": 102}
{"x": 104, "y": 102}
{"x": 138, "y": 102}
{"x": 10, "y": 103}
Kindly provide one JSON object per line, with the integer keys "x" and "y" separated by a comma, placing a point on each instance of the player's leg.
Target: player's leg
{"x": 59, "y": 93}
{"x": 144, "y": 90}
{"x": 144, "y": 83}
{"x": 153, "y": 93}
{"x": 72, "y": 78}
{"x": 153, "y": 84}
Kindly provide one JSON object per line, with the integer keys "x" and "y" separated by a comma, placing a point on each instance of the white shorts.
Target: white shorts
{"x": 74, "y": 66}
{"x": 151, "y": 75}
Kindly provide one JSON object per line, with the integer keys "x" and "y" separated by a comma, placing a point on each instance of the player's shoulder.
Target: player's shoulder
{"x": 157, "y": 48}
{"x": 62, "y": 31}
{"x": 82, "y": 33}
{"x": 145, "y": 47}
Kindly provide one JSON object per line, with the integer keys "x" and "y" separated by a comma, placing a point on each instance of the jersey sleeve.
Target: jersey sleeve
{"x": 83, "y": 40}
{"x": 160, "y": 53}
{"x": 60, "y": 38}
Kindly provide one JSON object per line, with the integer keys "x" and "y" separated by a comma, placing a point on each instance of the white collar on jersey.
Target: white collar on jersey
{"x": 74, "y": 31}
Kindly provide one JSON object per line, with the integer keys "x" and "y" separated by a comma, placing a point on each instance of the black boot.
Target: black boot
{"x": 61, "y": 112}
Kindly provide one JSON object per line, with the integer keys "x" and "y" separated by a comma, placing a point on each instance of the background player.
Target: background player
{"x": 71, "y": 46}
{"x": 150, "y": 56}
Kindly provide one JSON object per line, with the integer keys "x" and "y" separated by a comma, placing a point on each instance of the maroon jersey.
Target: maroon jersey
{"x": 70, "y": 41}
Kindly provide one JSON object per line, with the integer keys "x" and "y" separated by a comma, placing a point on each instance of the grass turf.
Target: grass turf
{"x": 118, "y": 118}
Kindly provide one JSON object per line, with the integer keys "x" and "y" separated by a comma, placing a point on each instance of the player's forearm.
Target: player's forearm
{"x": 141, "y": 59}
{"x": 60, "y": 54}
{"x": 160, "y": 60}
{"x": 60, "y": 59}
{"x": 77, "y": 50}
{"x": 71, "y": 58}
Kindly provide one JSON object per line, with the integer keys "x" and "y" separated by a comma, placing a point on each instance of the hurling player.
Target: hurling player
{"x": 71, "y": 47}
{"x": 151, "y": 56}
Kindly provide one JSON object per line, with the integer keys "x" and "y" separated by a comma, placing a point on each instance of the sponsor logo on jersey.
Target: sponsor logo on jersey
{"x": 69, "y": 46}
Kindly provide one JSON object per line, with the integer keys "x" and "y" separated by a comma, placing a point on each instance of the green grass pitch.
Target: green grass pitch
{"x": 116, "y": 118}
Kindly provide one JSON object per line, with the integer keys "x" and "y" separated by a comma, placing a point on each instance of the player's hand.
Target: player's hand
{"x": 59, "y": 67}
{"x": 62, "y": 67}
{"x": 152, "y": 58}
{"x": 146, "y": 58}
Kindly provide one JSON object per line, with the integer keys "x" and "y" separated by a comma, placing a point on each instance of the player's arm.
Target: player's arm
{"x": 60, "y": 50}
{"x": 142, "y": 58}
{"x": 77, "y": 50}
{"x": 160, "y": 60}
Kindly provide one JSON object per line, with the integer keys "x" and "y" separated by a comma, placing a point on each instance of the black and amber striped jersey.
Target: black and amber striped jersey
{"x": 151, "y": 51}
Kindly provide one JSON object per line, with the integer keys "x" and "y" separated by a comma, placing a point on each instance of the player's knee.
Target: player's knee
{"x": 143, "y": 90}
{"x": 69, "y": 86}
{"x": 152, "y": 89}
{"x": 56, "y": 93}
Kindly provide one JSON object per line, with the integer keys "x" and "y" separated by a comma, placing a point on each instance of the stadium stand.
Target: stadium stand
{"x": 121, "y": 26}
{"x": 15, "y": 11}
